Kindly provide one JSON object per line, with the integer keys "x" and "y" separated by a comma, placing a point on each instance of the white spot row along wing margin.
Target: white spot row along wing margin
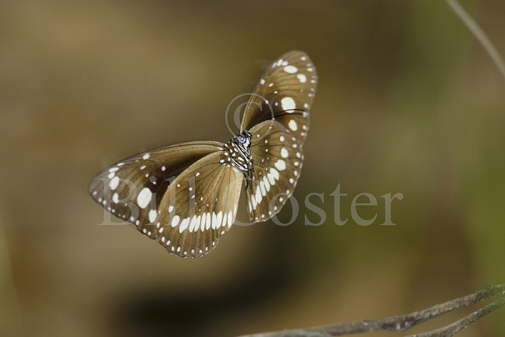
{"x": 203, "y": 222}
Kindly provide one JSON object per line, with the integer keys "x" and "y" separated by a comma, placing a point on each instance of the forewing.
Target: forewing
{"x": 132, "y": 188}
{"x": 199, "y": 207}
{"x": 277, "y": 157}
{"x": 285, "y": 93}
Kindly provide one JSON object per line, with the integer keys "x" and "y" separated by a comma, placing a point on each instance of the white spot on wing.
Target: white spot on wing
{"x": 288, "y": 103}
{"x": 214, "y": 220}
{"x": 208, "y": 222}
{"x": 258, "y": 196}
{"x": 290, "y": 69}
{"x": 184, "y": 225}
{"x": 280, "y": 165}
{"x": 175, "y": 221}
{"x": 144, "y": 197}
{"x": 267, "y": 183}
{"x": 203, "y": 222}
{"x": 198, "y": 223}
{"x": 284, "y": 152}
{"x": 230, "y": 219}
{"x": 152, "y": 215}
{"x": 114, "y": 183}
{"x": 302, "y": 78}
{"x": 292, "y": 125}
{"x": 262, "y": 188}
{"x": 253, "y": 201}
{"x": 219, "y": 219}
{"x": 192, "y": 223}
{"x": 274, "y": 173}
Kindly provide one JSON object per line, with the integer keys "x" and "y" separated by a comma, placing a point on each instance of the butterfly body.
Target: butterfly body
{"x": 186, "y": 196}
{"x": 237, "y": 152}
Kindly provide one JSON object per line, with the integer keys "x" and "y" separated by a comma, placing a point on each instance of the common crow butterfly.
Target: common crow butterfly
{"x": 186, "y": 196}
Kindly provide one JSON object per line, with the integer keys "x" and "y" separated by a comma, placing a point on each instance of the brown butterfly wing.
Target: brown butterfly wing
{"x": 278, "y": 158}
{"x": 285, "y": 93}
{"x": 133, "y": 188}
{"x": 278, "y": 117}
{"x": 199, "y": 207}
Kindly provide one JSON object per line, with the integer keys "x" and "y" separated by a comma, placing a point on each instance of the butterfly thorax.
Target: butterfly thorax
{"x": 237, "y": 153}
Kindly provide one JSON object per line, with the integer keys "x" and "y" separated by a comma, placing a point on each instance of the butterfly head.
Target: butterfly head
{"x": 244, "y": 139}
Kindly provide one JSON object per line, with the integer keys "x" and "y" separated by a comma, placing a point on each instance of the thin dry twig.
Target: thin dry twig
{"x": 404, "y": 322}
{"x": 474, "y": 27}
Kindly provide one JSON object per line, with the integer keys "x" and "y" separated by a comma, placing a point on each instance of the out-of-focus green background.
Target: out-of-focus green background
{"x": 408, "y": 102}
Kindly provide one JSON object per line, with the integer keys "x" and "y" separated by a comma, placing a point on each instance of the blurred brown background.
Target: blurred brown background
{"x": 408, "y": 102}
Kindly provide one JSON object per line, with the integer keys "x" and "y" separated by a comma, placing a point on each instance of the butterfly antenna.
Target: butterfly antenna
{"x": 291, "y": 112}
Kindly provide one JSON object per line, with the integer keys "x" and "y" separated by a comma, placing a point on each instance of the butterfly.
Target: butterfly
{"x": 186, "y": 196}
